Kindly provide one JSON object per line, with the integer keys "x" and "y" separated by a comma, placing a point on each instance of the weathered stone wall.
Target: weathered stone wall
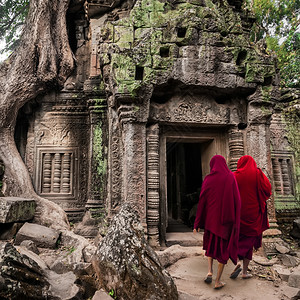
{"x": 200, "y": 43}
{"x": 188, "y": 64}
{"x": 285, "y": 141}
{"x": 146, "y": 70}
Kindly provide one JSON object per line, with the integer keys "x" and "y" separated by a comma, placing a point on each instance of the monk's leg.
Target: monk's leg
{"x": 208, "y": 278}
{"x": 210, "y": 265}
{"x": 218, "y": 282}
{"x": 246, "y": 262}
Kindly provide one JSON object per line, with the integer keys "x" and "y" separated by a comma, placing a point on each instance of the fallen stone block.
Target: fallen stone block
{"x": 288, "y": 260}
{"x": 297, "y": 296}
{"x": 290, "y": 292}
{"x": 264, "y": 261}
{"x": 14, "y": 209}
{"x": 42, "y": 236}
{"x": 284, "y": 273}
{"x": 125, "y": 263}
{"x": 23, "y": 277}
{"x": 101, "y": 295}
{"x": 75, "y": 249}
{"x": 282, "y": 249}
{"x": 172, "y": 254}
{"x": 9, "y": 230}
{"x": 31, "y": 246}
{"x": 63, "y": 286}
{"x": 296, "y": 229}
{"x": 294, "y": 280}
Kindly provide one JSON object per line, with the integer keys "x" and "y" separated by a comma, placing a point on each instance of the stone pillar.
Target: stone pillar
{"x": 153, "y": 185}
{"x": 134, "y": 156}
{"x": 236, "y": 147}
{"x": 97, "y": 155}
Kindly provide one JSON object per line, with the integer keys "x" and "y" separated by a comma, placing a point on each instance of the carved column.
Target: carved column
{"x": 277, "y": 176}
{"x": 97, "y": 154}
{"x": 134, "y": 155}
{"x": 285, "y": 177}
{"x": 236, "y": 147}
{"x": 46, "y": 187}
{"x": 153, "y": 185}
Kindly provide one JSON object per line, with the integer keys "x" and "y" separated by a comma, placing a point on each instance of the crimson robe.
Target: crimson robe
{"x": 255, "y": 189}
{"x": 218, "y": 211}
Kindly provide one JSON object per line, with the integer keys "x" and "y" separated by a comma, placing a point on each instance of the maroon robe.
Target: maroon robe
{"x": 255, "y": 189}
{"x": 218, "y": 212}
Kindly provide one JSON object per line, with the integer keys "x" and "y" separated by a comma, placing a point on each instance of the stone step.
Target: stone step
{"x": 186, "y": 239}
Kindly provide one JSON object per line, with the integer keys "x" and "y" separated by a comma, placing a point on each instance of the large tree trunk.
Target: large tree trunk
{"x": 42, "y": 61}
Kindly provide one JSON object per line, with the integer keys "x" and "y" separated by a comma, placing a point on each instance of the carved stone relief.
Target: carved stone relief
{"x": 57, "y": 152}
{"x": 200, "y": 109}
{"x": 279, "y": 139}
{"x": 134, "y": 165}
{"x": 115, "y": 191}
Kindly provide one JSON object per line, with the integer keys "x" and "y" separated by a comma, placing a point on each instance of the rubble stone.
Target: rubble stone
{"x": 14, "y": 209}
{"x": 290, "y": 293}
{"x": 172, "y": 254}
{"x": 296, "y": 229}
{"x": 42, "y": 236}
{"x": 294, "y": 279}
{"x": 283, "y": 272}
{"x": 125, "y": 263}
{"x": 288, "y": 260}
{"x": 101, "y": 295}
{"x": 74, "y": 249}
{"x": 282, "y": 249}
{"x": 23, "y": 278}
{"x": 31, "y": 246}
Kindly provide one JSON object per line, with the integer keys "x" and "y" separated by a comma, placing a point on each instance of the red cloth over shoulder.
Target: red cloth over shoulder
{"x": 255, "y": 189}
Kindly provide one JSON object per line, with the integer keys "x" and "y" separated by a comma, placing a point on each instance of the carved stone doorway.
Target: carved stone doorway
{"x": 184, "y": 162}
{"x": 184, "y": 179}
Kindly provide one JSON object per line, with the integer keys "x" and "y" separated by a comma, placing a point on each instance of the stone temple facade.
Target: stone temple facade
{"x": 160, "y": 87}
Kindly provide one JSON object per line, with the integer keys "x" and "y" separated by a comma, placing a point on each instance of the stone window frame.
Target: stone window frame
{"x": 283, "y": 167}
{"x": 71, "y": 192}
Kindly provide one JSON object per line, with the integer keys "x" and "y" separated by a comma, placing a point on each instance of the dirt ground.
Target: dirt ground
{"x": 189, "y": 274}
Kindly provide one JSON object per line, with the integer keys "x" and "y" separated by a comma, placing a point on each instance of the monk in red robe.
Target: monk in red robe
{"x": 255, "y": 189}
{"x": 218, "y": 213}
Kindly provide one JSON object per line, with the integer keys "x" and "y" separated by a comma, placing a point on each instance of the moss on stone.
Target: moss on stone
{"x": 99, "y": 149}
{"x": 137, "y": 40}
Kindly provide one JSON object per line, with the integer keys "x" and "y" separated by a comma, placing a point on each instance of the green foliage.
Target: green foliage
{"x": 112, "y": 294}
{"x": 279, "y": 23}
{"x": 69, "y": 249}
{"x": 12, "y": 17}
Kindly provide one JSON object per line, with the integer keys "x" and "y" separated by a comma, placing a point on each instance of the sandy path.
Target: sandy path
{"x": 189, "y": 274}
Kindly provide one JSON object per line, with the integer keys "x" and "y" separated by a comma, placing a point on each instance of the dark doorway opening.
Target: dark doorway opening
{"x": 184, "y": 180}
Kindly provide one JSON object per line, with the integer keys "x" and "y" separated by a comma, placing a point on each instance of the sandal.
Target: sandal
{"x": 247, "y": 276}
{"x": 222, "y": 284}
{"x": 236, "y": 272}
{"x": 208, "y": 279}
